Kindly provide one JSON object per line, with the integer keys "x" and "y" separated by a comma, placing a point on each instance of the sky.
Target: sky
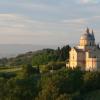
{"x": 47, "y": 22}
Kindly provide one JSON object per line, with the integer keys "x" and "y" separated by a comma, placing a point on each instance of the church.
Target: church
{"x": 86, "y": 55}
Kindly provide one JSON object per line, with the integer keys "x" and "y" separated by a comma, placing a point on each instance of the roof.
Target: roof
{"x": 79, "y": 50}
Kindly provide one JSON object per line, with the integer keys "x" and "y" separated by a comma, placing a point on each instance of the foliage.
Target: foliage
{"x": 28, "y": 70}
{"x": 91, "y": 81}
{"x": 64, "y": 97}
{"x": 56, "y": 65}
{"x": 50, "y": 56}
{"x": 19, "y": 89}
{"x": 37, "y": 58}
{"x": 30, "y": 78}
{"x": 7, "y": 75}
{"x": 63, "y": 84}
{"x": 94, "y": 95}
{"x": 48, "y": 92}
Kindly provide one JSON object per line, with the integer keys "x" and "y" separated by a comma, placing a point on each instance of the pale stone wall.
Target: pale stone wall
{"x": 73, "y": 58}
{"x": 91, "y": 63}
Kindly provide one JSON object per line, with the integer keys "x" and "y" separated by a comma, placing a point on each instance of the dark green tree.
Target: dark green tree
{"x": 27, "y": 70}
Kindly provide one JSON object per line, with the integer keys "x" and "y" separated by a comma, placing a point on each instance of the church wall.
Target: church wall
{"x": 81, "y": 60}
{"x": 73, "y": 59}
{"x": 97, "y": 53}
{"x": 91, "y": 63}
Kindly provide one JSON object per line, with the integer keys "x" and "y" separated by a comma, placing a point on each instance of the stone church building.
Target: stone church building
{"x": 87, "y": 54}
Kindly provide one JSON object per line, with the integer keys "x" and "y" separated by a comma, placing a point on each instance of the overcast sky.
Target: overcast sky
{"x": 47, "y": 22}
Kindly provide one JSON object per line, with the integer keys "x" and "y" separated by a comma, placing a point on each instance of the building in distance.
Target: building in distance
{"x": 87, "y": 54}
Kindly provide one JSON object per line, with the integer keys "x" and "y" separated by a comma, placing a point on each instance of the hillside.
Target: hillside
{"x": 51, "y": 80}
{"x": 37, "y": 57}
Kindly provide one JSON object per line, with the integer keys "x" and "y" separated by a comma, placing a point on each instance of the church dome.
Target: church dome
{"x": 84, "y": 37}
{"x": 87, "y": 39}
{"x": 87, "y": 36}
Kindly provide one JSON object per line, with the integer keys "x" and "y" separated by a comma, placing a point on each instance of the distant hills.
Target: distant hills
{"x": 12, "y": 50}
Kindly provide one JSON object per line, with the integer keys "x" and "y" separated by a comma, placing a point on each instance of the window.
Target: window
{"x": 90, "y": 43}
{"x": 94, "y": 56}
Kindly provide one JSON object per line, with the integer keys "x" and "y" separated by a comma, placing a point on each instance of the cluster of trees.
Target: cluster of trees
{"x": 64, "y": 84}
{"x": 37, "y": 58}
{"x": 50, "y": 55}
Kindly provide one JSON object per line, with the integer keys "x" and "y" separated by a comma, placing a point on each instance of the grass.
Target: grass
{"x": 10, "y": 69}
{"x": 9, "y": 72}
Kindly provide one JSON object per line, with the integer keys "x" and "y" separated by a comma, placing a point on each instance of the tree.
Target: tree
{"x": 48, "y": 92}
{"x": 64, "y": 97}
{"x": 91, "y": 81}
{"x": 28, "y": 70}
{"x": 2, "y": 88}
{"x": 63, "y": 53}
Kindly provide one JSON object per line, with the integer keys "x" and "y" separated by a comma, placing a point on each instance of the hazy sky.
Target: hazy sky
{"x": 47, "y": 22}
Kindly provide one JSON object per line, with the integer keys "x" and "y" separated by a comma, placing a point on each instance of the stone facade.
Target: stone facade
{"x": 86, "y": 55}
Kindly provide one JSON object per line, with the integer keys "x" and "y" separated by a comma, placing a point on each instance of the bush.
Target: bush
{"x": 7, "y": 75}
{"x": 91, "y": 81}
